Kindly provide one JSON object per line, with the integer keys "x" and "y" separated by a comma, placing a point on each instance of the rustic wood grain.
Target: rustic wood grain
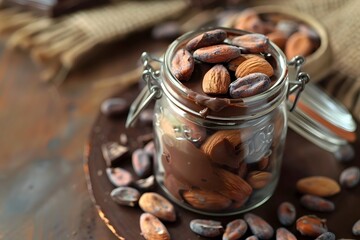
{"x": 43, "y": 193}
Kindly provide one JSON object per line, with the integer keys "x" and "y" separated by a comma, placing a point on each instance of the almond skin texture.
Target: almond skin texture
{"x": 318, "y": 186}
{"x": 206, "y": 39}
{"x": 157, "y": 205}
{"x": 233, "y": 64}
{"x": 249, "y": 85}
{"x": 206, "y": 200}
{"x": 217, "y": 53}
{"x": 253, "y": 43}
{"x": 298, "y": 44}
{"x": 258, "y": 179}
{"x": 216, "y": 80}
{"x": 182, "y": 65}
{"x": 311, "y": 226}
{"x": 254, "y": 65}
{"x": 152, "y": 228}
{"x": 233, "y": 186}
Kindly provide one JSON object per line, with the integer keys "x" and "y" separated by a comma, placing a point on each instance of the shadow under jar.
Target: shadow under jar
{"x": 217, "y": 155}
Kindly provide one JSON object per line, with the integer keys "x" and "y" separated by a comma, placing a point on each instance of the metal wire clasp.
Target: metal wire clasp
{"x": 149, "y": 92}
{"x": 301, "y": 78}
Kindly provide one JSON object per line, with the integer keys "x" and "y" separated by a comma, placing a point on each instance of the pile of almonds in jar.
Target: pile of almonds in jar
{"x": 236, "y": 68}
{"x": 290, "y": 35}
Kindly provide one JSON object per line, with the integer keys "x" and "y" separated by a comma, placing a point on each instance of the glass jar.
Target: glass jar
{"x": 217, "y": 156}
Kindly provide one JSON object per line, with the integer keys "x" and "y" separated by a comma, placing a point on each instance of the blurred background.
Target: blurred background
{"x": 59, "y": 60}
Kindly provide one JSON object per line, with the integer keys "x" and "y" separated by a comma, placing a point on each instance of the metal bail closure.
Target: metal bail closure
{"x": 148, "y": 93}
{"x": 301, "y": 78}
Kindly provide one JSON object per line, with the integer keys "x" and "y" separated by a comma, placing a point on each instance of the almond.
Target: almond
{"x": 157, "y": 205}
{"x": 233, "y": 186}
{"x": 217, "y": 53}
{"x": 259, "y": 179}
{"x": 182, "y": 65}
{"x": 206, "y": 39}
{"x": 222, "y": 147}
{"x": 216, "y": 80}
{"x": 254, "y": 65}
{"x": 233, "y": 64}
{"x": 253, "y": 43}
{"x": 298, "y": 44}
{"x": 318, "y": 186}
{"x": 152, "y": 228}
{"x": 206, "y": 200}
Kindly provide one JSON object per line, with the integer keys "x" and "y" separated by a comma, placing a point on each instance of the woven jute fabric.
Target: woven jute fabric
{"x": 342, "y": 20}
{"x": 59, "y": 44}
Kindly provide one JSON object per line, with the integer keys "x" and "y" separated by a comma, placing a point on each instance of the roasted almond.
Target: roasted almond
{"x": 206, "y": 39}
{"x": 216, "y": 80}
{"x": 182, "y": 65}
{"x": 206, "y": 200}
{"x": 298, "y": 44}
{"x": 311, "y": 225}
{"x": 253, "y": 43}
{"x": 217, "y": 53}
{"x": 258, "y": 179}
{"x": 222, "y": 147}
{"x": 152, "y": 228}
{"x": 233, "y": 186}
{"x": 254, "y": 65}
{"x": 318, "y": 186}
{"x": 157, "y": 205}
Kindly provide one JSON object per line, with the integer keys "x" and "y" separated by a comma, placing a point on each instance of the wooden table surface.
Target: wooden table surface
{"x": 43, "y": 193}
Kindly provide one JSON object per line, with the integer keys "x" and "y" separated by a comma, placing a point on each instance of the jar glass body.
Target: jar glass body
{"x": 219, "y": 156}
{"x": 218, "y": 167}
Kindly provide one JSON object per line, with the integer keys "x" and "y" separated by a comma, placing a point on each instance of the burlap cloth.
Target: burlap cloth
{"x": 342, "y": 20}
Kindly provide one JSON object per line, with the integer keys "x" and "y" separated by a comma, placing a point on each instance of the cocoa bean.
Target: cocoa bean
{"x": 287, "y": 27}
{"x": 252, "y": 238}
{"x": 350, "y": 177}
{"x": 146, "y": 183}
{"x": 249, "y": 85}
{"x": 286, "y": 213}
{"x": 157, "y": 205}
{"x": 259, "y": 227}
{"x": 152, "y": 228}
{"x": 206, "y": 228}
{"x": 150, "y": 148}
{"x": 284, "y": 234}
{"x": 317, "y": 203}
{"x": 127, "y": 196}
{"x": 217, "y": 53}
{"x": 326, "y": 236}
{"x": 119, "y": 177}
{"x": 356, "y": 228}
{"x": 235, "y": 230}
{"x": 182, "y": 65}
{"x": 253, "y": 43}
{"x": 141, "y": 162}
{"x": 206, "y": 39}
{"x": 311, "y": 225}
{"x": 114, "y": 106}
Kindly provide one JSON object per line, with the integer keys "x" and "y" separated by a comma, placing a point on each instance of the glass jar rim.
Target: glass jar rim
{"x": 172, "y": 83}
